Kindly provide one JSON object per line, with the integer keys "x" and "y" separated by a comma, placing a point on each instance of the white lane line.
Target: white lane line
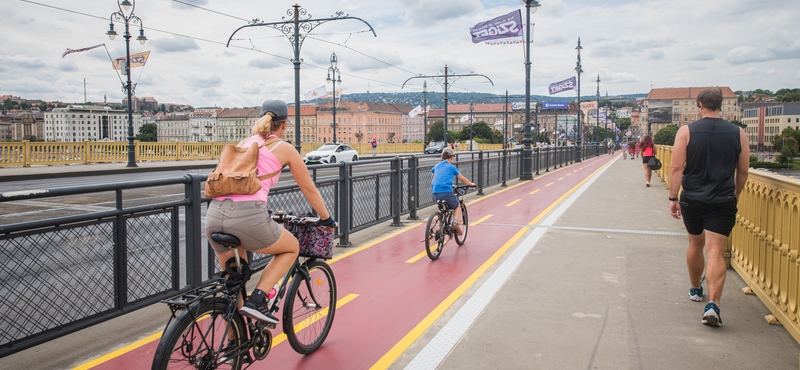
{"x": 435, "y": 351}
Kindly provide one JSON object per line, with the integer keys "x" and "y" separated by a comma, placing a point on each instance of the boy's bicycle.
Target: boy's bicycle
{"x": 440, "y": 230}
{"x": 206, "y": 330}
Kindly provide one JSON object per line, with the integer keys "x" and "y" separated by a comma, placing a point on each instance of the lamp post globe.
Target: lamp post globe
{"x": 128, "y": 19}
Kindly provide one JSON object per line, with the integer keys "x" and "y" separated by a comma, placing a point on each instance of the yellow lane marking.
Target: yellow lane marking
{"x": 534, "y": 192}
{"x": 417, "y": 257}
{"x": 512, "y": 203}
{"x": 495, "y": 193}
{"x": 305, "y": 323}
{"x": 539, "y": 217}
{"x": 415, "y": 333}
{"x": 575, "y": 171}
{"x": 374, "y": 242}
{"x": 549, "y": 184}
{"x": 481, "y": 220}
{"x": 569, "y": 174}
{"x": 560, "y": 179}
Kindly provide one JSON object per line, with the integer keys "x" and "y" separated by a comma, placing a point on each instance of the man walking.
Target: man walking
{"x": 716, "y": 156}
{"x": 374, "y": 145}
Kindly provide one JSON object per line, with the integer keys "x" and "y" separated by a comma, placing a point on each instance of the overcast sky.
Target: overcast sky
{"x": 631, "y": 44}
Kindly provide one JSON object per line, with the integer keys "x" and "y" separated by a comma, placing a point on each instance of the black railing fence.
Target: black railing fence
{"x": 63, "y": 274}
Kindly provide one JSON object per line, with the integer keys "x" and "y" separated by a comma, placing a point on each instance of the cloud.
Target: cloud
{"x": 616, "y": 77}
{"x": 174, "y": 44}
{"x": 628, "y": 47}
{"x": 657, "y": 54}
{"x": 702, "y": 56}
{"x": 694, "y": 68}
{"x": 203, "y": 82}
{"x": 265, "y": 63}
{"x": 421, "y": 13}
{"x": 798, "y": 75}
{"x": 252, "y": 87}
{"x": 21, "y": 61}
{"x": 186, "y": 7}
{"x": 387, "y": 56}
{"x": 783, "y": 46}
{"x": 68, "y": 66}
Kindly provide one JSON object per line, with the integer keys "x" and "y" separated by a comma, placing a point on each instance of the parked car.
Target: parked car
{"x": 331, "y": 153}
{"x": 434, "y": 148}
{"x": 517, "y": 147}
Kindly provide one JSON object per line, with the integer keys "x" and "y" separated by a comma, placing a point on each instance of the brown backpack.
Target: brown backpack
{"x": 236, "y": 171}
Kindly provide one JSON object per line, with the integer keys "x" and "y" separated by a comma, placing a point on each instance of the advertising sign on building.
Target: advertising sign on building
{"x": 659, "y": 115}
{"x": 555, "y": 105}
{"x": 521, "y": 105}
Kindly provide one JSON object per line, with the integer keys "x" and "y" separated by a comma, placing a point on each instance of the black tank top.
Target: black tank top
{"x": 711, "y": 160}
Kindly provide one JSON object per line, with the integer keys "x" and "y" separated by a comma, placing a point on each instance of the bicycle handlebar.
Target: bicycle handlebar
{"x": 281, "y": 217}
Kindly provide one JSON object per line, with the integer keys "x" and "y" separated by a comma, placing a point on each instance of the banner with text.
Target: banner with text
{"x": 137, "y": 60}
{"x": 316, "y": 93}
{"x": 566, "y": 85}
{"x": 505, "y": 26}
{"x": 555, "y": 105}
{"x": 588, "y": 105}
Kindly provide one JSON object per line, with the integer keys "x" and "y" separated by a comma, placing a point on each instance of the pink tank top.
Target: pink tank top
{"x": 267, "y": 163}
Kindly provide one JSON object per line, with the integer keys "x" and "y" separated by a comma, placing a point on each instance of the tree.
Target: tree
{"x": 436, "y": 132}
{"x": 148, "y": 132}
{"x": 8, "y": 104}
{"x": 788, "y": 151}
{"x": 666, "y": 136}
{"x": 43, "y": 106}
{"x": 623, "y": 124}
{"x": 739, "y": 123}
{"x": 25, "y": 105}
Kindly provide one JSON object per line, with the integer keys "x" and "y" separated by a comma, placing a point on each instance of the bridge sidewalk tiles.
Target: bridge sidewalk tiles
{"x": 612, "y": 300}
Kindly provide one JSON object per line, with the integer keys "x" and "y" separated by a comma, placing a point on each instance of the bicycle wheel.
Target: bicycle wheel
{"x": 201, "y": 343}
{"x": 463, "y": 223}
{"x": 433, "y": 236}
{"x": 310, "y": 307}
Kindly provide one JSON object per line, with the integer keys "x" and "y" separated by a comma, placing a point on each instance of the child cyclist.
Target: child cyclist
{"x": 442, "y": 176}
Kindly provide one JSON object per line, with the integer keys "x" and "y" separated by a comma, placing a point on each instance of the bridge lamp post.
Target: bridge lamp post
{"x": 527, "y": 151}
{"x": 128, "y": 19}
{"x": 334, "y": 70}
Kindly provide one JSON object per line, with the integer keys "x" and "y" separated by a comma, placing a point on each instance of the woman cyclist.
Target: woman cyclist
{"x": 648, "y": 150}
{"x": 246, "y": 217}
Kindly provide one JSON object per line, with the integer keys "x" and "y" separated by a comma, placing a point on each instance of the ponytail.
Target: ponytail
{"x": 265, "y": 125}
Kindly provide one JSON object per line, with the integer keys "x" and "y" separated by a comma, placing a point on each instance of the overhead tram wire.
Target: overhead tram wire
{"x": 362, "y": 53}
{"x": 212, "y": 11}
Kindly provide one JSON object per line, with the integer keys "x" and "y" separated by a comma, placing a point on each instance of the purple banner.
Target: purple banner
{"x": 505, "y": 26}
{"x": 557, "y": 87}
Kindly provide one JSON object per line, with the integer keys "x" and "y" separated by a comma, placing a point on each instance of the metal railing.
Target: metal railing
{"x": 765, "y": 242}
{"x": 96, "y": 266}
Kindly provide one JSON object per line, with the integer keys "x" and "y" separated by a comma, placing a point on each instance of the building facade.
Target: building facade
{"x": 232, "y": 124}
{"x": 765, "y": 121}
{"x": 308, "y": 124}
{"x": 678, "y": 106}
{"x": 361, "y": 122}
{"x": 173, "y": 127}
{"x": 88, "y": 123}
{"x": 203, "y": 123}
{"x": 27, "y": 126}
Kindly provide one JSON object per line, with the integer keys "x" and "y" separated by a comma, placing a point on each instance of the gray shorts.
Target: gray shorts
{"x": 247, "y": 220}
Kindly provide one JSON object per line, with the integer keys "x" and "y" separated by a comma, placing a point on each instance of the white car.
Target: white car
{"x": 331, "y": 153}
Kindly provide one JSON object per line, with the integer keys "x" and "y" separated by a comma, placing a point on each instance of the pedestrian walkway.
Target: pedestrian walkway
{"x": 582, "y": 268}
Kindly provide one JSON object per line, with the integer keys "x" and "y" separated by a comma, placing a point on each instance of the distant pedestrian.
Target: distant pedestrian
{"x": 710, "y": 159}
{"x": 648, "y": 150}
{"x": 632, "y": 148}
{"x": 624, "y": 150}
{"x": 458, "y": 145}
{"x": 374, "y": 145}
{"x": 452, "y": 146}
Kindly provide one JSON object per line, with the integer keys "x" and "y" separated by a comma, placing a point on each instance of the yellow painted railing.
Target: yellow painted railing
{"x": 38, "y": 153}
{"x": 765, "y": 242}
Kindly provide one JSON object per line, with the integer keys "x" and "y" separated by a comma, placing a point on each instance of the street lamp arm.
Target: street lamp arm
{"x": 306, "y": 27}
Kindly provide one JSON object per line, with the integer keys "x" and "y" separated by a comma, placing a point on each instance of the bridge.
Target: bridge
{"x": 583, "y": 267}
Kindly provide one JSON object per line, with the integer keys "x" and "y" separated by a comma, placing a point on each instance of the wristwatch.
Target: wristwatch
{"x": 673, "y": 199}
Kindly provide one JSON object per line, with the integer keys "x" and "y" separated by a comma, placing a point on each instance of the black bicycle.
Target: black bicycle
{"x": 206, "y": 330}
{"x": 440, "y": 225}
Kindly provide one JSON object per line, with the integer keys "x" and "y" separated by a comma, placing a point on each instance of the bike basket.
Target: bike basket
{"x": 315, "y": 241}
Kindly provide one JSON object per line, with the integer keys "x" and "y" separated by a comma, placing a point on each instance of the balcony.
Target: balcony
{"x": 195, "y": 125}
{"x": 208, "y": 134}
{"x": 209, "y": 126}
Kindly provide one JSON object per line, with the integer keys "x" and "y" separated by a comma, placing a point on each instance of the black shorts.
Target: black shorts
{"x": 715, "y": 217}
{"x": 646, "y": 159}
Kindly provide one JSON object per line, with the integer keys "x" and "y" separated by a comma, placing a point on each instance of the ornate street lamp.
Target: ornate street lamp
{"x": 425, "y": 121}
{"x": 128, "y": 19}
{"x": 526, "y": 150}
{"x": 597, "y": 125}
{"x": 334, "y": 70}
{"x": 578, "y": 70}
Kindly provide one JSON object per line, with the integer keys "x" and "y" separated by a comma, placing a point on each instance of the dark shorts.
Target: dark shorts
{"x": 646, "y": 159}
{"x": 450, "y": 197}
{"x": 715, "y": 217}
{"x": 247, "y": 220}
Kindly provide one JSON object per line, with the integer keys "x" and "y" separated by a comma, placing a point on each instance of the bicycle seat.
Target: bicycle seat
{"x": 228, "y": 240}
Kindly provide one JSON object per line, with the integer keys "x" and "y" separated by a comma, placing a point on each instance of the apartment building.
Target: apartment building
{"x": 203, "y": 123}
{"x": 361, "y": 122}
{"x": 233, "y": 126}
{"x": 308, "y": 124}
{"x": 678, "y": 106}
{"x": 173, "y": 127}
{"x": 88, "y": 123}
{"x": 766, "y": 120}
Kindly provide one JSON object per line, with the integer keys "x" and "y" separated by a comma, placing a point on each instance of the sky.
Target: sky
{"x": 633, "y": 45}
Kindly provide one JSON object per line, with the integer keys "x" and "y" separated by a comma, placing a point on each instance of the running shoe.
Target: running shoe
{"x": 711, "y": 315}
{"x": 457, "y": 230}
{"x": 696, "y": 294}
{"x": 257, "y": 311}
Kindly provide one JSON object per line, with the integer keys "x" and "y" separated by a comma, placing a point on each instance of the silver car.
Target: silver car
{"x": 331, "y": 153}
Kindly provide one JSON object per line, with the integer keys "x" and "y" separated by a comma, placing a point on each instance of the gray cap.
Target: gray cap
{"x": 277, "y": 107}
{"x": 448, "y": 153}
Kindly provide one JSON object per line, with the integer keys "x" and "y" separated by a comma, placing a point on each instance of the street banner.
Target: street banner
{"x": 316, "y": 93}
{"x": 415, "y": 112}
{"x": 502, "y": 27}
{"x": 329, "y": 95}
{"x": 465, "y": 118}
{"x": 555, "y": 105}
{"x": 70, "y": 51}
{"x": 566, "y": 85}
{"x": 602, "y": 115}
{"x": 589, "y": 105}
{"x": 137, "y": 60}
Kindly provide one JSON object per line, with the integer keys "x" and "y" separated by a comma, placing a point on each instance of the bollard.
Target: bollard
{"x": 343, "y": 208}
{"x": 413, "y": 189}
{"x": 193, "y": 232}
{"x": 480, "y": 170}
{"x": 505, "y": 164}
{"x": 397, "y": 201}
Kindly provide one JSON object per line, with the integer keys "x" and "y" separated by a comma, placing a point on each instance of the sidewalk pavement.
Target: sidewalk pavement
{"x": 36, "y": 172}
{"x": 606, "y": 287}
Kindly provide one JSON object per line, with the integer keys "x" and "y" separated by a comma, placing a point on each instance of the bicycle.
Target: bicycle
{"x": 196, "y": 334}
{"x": 440, "y": 225}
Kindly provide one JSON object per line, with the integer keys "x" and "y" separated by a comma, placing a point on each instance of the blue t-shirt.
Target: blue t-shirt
{"x": 443, "y": 174}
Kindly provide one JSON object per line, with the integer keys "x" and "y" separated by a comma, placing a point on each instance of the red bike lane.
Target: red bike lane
{"x": 390, "y": 292}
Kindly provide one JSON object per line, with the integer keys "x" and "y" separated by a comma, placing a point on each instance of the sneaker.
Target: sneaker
{"x": 711, "y": 315}
{"x": 257, "y": 309}
{"x": 696, "y": 294}
{"x": 457, "y": 230}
